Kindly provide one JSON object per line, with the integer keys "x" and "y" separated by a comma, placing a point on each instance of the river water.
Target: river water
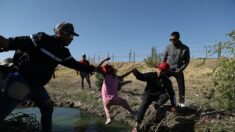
{"x": 75, "y": 120}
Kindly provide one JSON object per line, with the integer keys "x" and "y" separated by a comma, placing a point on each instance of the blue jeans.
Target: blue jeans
{"x": 38, "y": 94}
{"x": 160, "y": 99}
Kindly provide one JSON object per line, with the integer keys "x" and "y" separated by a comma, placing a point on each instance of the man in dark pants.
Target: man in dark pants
{"x": 178, "y": 56}
{"x": 35, "y": 60}
{"x": 159, "y": 89}
{"x": 84, "y": 74}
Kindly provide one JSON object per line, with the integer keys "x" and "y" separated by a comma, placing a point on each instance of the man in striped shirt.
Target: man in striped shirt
{"x": 35, "y": 60}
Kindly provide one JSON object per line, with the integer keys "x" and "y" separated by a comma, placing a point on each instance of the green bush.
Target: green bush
{"x": 154, "y": 59}
{"x": 224, "y": 76}
{"x": 99, "y": 81}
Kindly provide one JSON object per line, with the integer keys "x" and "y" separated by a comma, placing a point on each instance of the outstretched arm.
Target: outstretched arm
{"x": 23, "y": 43}
{"x": 140, "y": 76}
{"x": 98, "y": 67}
{"x": 102, "y": 62}
{"x": 73, "y": 64}
{"x": 4, "y": 43}
{"x": 126, "y": 74}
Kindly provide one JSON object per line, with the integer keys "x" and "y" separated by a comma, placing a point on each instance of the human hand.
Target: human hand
{"x": 91, "y": 69}
{"x": 174, "y": 109}
{"x": 177, "y": 71}
{"x": 134, "y": 70}
{"x": 4, "y": 43}
{"x": 108, "y": 58}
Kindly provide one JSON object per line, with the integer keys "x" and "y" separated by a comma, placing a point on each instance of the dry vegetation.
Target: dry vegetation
{"x": 197, "y": 76}
{"x": 66, "y": 88}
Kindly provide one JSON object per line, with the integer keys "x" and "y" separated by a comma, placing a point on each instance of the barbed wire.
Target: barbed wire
{"x": 197, "y": 50}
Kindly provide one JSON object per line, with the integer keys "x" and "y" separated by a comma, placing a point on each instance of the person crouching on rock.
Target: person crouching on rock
{"x": 109, "y": 91}
{"x": 159, "y": 89}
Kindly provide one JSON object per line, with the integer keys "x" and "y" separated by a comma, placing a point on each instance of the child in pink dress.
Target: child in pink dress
{"x": 109, "y": 91}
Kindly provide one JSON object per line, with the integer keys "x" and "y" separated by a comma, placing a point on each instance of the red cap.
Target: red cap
{"x": 107, "y": 69}
{"x": 164, "y": 66}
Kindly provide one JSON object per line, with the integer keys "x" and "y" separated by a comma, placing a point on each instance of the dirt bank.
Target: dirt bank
{"x": 66, "y": 91}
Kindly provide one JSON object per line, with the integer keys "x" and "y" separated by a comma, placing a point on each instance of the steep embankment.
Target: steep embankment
{"x": 66, "y": 91}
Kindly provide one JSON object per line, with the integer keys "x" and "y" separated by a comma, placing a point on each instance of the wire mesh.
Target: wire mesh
{"x": 20, "y": 122}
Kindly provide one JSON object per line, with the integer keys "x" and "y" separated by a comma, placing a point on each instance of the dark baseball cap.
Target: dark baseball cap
{"x": 65, "y": 27}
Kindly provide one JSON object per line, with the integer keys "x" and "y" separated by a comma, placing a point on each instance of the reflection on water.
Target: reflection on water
{"x": 73, "y": 120}
{"x": 89, "y": 123}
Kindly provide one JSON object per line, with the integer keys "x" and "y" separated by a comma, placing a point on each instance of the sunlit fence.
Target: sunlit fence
{"x": 197, "y": 51}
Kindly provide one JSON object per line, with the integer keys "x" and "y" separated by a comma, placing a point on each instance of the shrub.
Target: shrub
{"x": 224, "y": 76}
{"x": 153, "y": 59}
{"x": 99, "y": 81}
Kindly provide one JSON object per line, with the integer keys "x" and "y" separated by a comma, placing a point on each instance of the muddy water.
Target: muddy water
{"x": 74, "y": 120}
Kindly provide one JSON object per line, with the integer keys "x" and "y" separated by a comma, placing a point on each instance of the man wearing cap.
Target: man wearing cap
{"x": 35, "y": 60}
{"x": 84, "y": 74}
{"x": 178, "y": 56}
{"x": 159, "y": 89}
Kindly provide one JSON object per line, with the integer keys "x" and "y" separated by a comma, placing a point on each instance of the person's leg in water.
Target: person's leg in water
{"x": 13, "y": 90}
{"x": 88, "y": 80}
{"x": 107, "y": 103}
{"x": 45, "y": 104}
{"x": 122, "y": 102}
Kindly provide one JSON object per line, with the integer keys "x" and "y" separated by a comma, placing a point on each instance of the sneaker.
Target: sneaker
{"x": 181, "y": 105}
{"x": 108, "y": 121}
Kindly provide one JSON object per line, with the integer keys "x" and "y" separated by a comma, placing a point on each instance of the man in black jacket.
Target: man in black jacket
{"x": 35, "y": 60}
{"x": 159, "y": 89}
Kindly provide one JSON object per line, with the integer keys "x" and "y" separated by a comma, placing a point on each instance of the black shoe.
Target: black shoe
{"x": 156, "y": 107}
